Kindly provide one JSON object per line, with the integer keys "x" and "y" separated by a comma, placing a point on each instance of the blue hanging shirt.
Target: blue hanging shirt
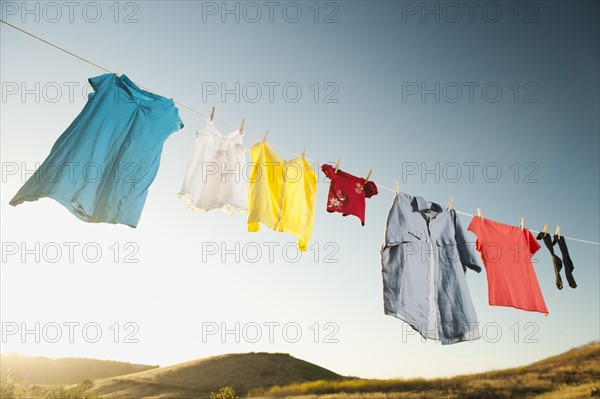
{"x": 100, "y": 168}
{"x": 424, "y": 260}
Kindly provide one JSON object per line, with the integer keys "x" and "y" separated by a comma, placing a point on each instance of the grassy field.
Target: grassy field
{"x": 65, "y": 371}
{"x": 198, "y": 378}
{"x": 572, "y": 375}
{"x": 11, "y": 389}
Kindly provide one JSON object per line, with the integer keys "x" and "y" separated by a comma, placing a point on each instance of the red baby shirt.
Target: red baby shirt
{"x": 506, "y": 252}
{"x": 347, "y": 193}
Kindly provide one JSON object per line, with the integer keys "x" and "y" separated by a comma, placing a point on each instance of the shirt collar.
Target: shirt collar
{"x": 419, "y": 204}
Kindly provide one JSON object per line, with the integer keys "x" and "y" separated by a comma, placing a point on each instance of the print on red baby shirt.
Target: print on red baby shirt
{"x": 506, "y": 252}
{"x": 347, "y": 193}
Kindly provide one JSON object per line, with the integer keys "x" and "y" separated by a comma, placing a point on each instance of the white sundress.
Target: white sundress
{"x": 214, "y": 177}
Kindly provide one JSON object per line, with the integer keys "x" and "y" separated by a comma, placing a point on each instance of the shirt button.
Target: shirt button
{"x": 428, "y": 278}
{"x": 427, "y": 297}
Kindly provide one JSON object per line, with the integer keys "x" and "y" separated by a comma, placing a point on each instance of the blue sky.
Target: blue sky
{"x": 362, "y": 68}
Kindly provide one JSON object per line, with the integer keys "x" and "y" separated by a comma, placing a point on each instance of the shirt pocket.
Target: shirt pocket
{"x": 408, "y": 250}
{"x": 448, "y": 250}
{"x": 412, "y": 236}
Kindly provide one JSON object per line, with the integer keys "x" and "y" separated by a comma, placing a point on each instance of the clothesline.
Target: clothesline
{"x": 225, "y": 123}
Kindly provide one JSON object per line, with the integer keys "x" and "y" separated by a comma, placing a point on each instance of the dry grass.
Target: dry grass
{"x": 573, "y": 374}
{"x": 197, "y": 379}
{"x": 65, "y": 371}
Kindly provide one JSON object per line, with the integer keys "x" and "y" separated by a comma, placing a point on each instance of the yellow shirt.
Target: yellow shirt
{"x": 281, "y": 194}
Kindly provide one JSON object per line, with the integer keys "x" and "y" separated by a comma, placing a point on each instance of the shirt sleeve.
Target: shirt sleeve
{"x": 475, "y": 228}
{"x": 466, "y": 252}
{"x": 328, "y": 170}
{"x": 98, "y": 82}
{"x": 532, "y": 243}
{"x": 178, "y": 122}
{"x": 370, "y": 189}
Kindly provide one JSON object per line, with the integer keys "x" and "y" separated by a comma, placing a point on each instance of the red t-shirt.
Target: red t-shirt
{"x": 347, "y": 193}
{"x": 506, "y": 252}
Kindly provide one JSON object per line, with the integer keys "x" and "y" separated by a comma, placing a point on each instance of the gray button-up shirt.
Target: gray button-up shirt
{"x": 424, "y": 260}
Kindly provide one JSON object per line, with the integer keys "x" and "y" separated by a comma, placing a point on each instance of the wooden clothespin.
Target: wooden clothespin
{"x": 337, "y": 165}
{"x": 212, "y": 114}
{"x": 479, "y": 214}
{"x": 265, "y": 137}
{"x": 545, "y": 229}
{"x": 449, "y": 206}
{"x": 368, "y": 175}
{"x": 397, "y": 187}
{"x": 303, "y": 151}
{"x": 242, "y": 127}
{"x": 521, "y": 224}
{"x": 558, "y": 231}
